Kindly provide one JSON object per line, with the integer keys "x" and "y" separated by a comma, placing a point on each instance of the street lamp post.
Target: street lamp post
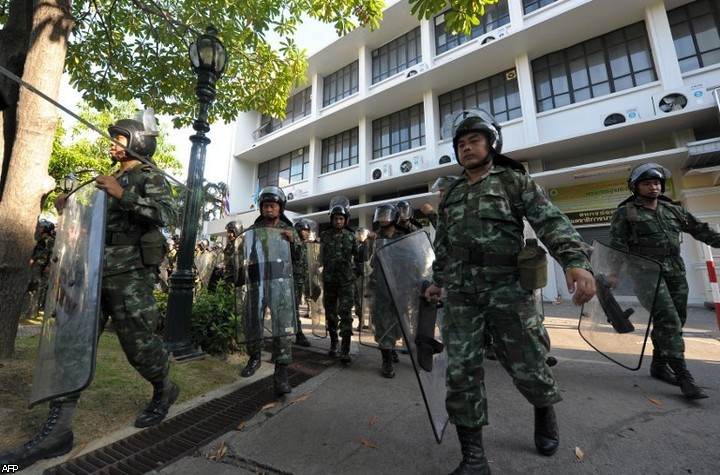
{"x": 208, "y": 59}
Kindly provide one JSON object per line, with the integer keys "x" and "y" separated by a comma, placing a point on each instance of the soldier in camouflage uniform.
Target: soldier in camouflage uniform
{"x": 139, "y": 202}
{"x": 364, "y": 253}
{"x": 478, "y": 238}
{"x": 301, "y": 276}
{"x": 651, "y": 225}
{"x": 39, "y": 268}
{"x": 338, "y": 256}
{"x": 383, "y": 312}
{"x": 272, "y": 202}
{"x": 230, "y": 253}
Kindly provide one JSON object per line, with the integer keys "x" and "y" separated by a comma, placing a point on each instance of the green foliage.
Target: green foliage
{"x": 214, "y": 322}
{"x": 462, "y": 16}
{"x": 125, "y": 49}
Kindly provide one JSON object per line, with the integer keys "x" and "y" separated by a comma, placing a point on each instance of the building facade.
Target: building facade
{"x": 584, "y": 91}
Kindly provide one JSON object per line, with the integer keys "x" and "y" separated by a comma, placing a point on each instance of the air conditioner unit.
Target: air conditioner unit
{"x": 616, "y": 118}
{"x": 684, "y": 99}
{"x": 417, "y": 69}
{"x": 491, "y": 36}
{"x": 383, "y": 171}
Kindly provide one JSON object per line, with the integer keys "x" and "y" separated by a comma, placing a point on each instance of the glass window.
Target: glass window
{"x": 298, "y": 106}
{"x": 616, "y": 61}
{"x": 340, "y": 84}
{"x": 398, "y": 55}
{"x": 285, "y": 169}
{"x": 532, "y": 5}
{"x": 498, "y": 94}
{"x": 339, "y": 151}
{"x": 399, "y": 131}
{"x": 496, "y": 15}
{"x": 695, "y": 32}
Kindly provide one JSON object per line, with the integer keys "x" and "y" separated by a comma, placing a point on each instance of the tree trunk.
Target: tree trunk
{"x": 27, "y": 178}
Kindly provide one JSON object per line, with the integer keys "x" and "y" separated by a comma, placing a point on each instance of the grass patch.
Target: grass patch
{"x": 114, "y": 399}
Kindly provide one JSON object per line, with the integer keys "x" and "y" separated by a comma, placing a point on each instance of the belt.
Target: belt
{"x": 269, "y": 270}
{"x": 121, "y": 239}
{"x": 486, "y": 259}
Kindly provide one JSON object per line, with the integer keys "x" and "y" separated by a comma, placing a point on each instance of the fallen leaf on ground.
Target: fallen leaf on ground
{"x": 367, "y": 444}
{"x": 220, "y": 452}
{"x": 657, "y": 402}
{"x": 241, "y": 426}
{"x": 300, "y": 398}
{"x": 579, "y": 454}
{"x": 373, "y": 420}
{"x": 267, "y": 406}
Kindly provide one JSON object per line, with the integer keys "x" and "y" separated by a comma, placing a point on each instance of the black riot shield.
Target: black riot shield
{"x": 315, "y": 288}
{"x": 616, "y": 322}
{"x": 406, "y": 264}
{"x": 65, "y": 360}
{"x": 269, "y": 300}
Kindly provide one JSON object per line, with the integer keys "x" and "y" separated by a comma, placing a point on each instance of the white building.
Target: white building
{"x": 584, "y": 91}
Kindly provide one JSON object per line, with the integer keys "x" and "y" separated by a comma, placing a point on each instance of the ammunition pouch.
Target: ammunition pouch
{"x": 153, "y": 248}
{"x": 532, "y": 266}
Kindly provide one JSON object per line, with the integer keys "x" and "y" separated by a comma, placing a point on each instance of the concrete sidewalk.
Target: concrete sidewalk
{"x": 351, "y": 420}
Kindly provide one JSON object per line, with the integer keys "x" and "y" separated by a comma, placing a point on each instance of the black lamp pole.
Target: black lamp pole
{"x": 208, "y": 59}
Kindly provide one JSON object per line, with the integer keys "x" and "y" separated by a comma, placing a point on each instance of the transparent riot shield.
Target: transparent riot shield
{"x": 616, "y": 322}
{"x": 203, "y": 266}
{"x": 65, "y": 360}
{"x": 406, "y": 263}
{"x": 376, "y": 302}
{"x": 363, "y": 299}
{"x": 269, "y": 300}
{"x": 314, "y": 297}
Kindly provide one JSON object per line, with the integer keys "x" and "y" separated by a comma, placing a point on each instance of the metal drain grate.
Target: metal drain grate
{"x": 165, "y": 443}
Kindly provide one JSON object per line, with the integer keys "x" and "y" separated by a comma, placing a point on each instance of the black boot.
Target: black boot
{"x": 165, "y": 393}
{"x": 301, "y": 340}
{"x": 387, "y": 365}
{"x": 659, "y": 369}
{"x": 474, "y": 461}
{"x": 547, "y": 436}
{"x": 333, "y": 344}
{"x": 54, "y": 439}
{"x": 252, "y": 365}
{"x": 685, "y": 379}
{"x": 345, "y": 349}
{"x": 280, "y": 380}
{"x": 395, "y": 357}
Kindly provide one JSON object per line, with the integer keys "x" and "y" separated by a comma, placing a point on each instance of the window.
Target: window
{"x": 398, "y": 55}
{"x": 496, "y": 15}
{"x": 498, "y": 94}
{"x": 340, "y": 84}
{"x": 613, "y": 62}
{"x": 340, "y": 151}
{"x": 401, "y": 130}
{"x": 532, "y": 5}
{"x": 285, "y": 169}
{"x": 694, "y": 29}
{"x": 298, "y": 106}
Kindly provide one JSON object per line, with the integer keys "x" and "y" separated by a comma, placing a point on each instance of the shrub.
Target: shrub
{"x": 214, "y": 320}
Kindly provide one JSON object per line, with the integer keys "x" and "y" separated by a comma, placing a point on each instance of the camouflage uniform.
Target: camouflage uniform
{"x": 282, "y": 346}
{"x": 383, "y": 313}
{"x": 127, "y": 284}
{"x": 657, "y": 235}
{"x": 230, "y": 260}
{"x": 338, "y": 252}
{"x": 478, "y": 237}
{"x": 301, "y": 276}
{"x": 38, "y": 284}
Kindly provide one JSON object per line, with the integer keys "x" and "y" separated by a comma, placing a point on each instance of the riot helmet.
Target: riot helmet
{"x": 386, "y": 213}
{"x": 46, "y": 226}
{"x": 475, "y": 120}
{"x": 272, "y": 194}
{"x": 233, "y": 227}
{"x": 405, "y": 210}
{"x": 302, "y": 225}
{"x": 141, "y": 142}
{"x": 340, "y": 205}
{"x": 648, "y": 171}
